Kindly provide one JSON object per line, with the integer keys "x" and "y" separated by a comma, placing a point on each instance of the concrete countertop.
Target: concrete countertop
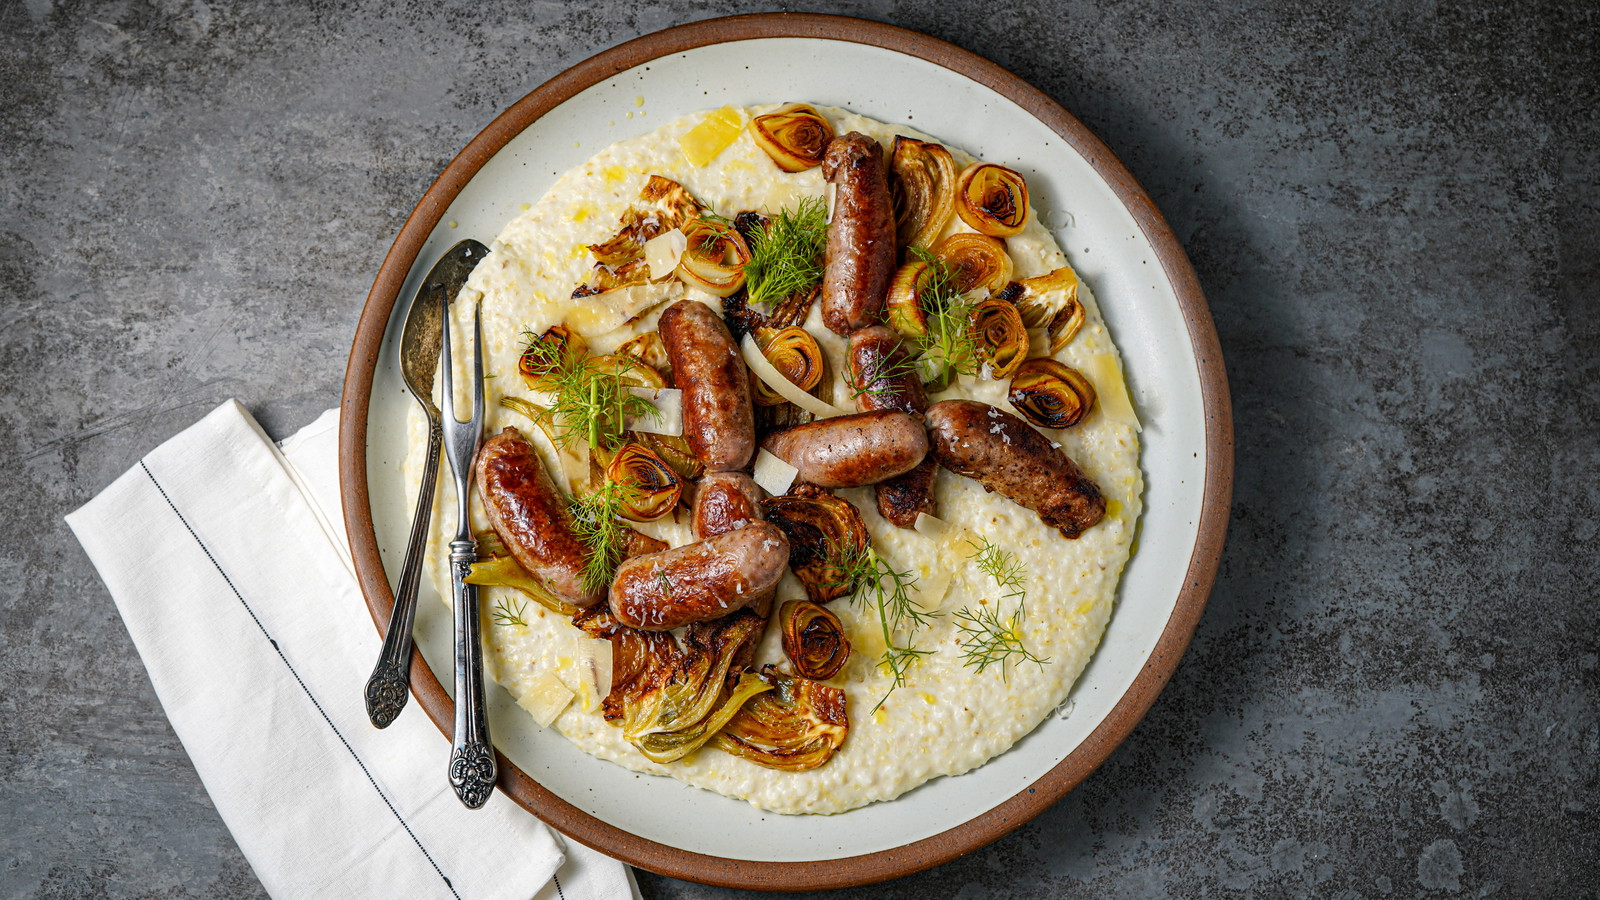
{"x": 1392, "y": 210}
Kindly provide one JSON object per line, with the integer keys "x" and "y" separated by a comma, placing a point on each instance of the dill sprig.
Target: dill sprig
{"x": 987, "y": 640}
{"x": 873, "y": 580}
{"x": 506, "y": 614}
{"x": 1001, "y": 565}
{"x": 591, "y": 403}
{"x": 598, "y": 525}
{"x": 951, "y": 345}
{"x": 786, "y": 256}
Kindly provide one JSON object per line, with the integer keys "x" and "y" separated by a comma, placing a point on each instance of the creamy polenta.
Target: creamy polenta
{"x": 949, "y": 717}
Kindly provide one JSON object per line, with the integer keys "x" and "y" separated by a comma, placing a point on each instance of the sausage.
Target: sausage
{"x": 718, "y": 420}
{"x": 900, "y": 498}
{"x": 724, "y": 502}
{"x": 1005, "y": 454}
{"x": 858, "y": 262}
{"x": 881, "y": 373}
{"x": 728, "y": 501}
{"x": 882, "y": 376}
{"x": 701, "y": 581}
{"x": 531, "y": 518}
{"x": 846, "y": 451}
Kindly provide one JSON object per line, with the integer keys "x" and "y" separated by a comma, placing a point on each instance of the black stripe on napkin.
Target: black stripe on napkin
{"x": 290, "y": 667}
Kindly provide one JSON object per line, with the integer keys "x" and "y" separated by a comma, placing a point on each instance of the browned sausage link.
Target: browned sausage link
{"x": 530, "y": 517}
{"x": 881, "y": 373}
{"x": 903, "y": 496}
{"x": 846, "y": 451}
{"x": 724, "y": 502}
{"x": 701, "y": 581}
{"x": 718, "y": 421}
{"x": 1004, "y": 453}
{"x": 858, "y": 262}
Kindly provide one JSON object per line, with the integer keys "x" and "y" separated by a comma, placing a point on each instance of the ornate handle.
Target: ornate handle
{"x": 472, "y": 764}
{"x": 387, "y": 689}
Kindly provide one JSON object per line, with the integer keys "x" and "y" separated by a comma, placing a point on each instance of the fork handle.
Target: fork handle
{"x": 388, "y": 688}
{"x": 472, "y": 764}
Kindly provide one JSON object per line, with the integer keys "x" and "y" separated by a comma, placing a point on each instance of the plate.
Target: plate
{"x": 1119, "y": 245}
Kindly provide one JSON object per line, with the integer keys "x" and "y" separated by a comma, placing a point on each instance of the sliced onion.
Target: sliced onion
{"x": 675, "y": 451}
{"x": 999, "y": 336}
{"x": 975, "y": 261}
{"x": 757, "y": 361}
{"x": 650, "y": 350}
{"x": 654, "y": 488}
{"x": 924, "y": 190}
{"x": 813, "y": 639}
{"x": 824, "y": 531}
{"x": 794, "y": 727}
{"x": 1050, "y": 394}
{"x": 992, "y": 199}
{"x": 1049, "y": 301}
{"x": 795, "y": 136}
{"x": 796, "y": 356}
{"x": 558, "y": 348}
{"x": 907, "y": 311}
{"x": 714, "y": 257}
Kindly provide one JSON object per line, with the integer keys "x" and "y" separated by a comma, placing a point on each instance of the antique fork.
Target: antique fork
{"x": 472, "y": 763}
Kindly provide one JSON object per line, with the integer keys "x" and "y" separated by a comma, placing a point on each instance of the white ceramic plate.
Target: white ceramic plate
{"x": 1117, "y": 243}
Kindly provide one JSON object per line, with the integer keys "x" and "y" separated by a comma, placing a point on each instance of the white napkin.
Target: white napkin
{"x": 227, "y": 560}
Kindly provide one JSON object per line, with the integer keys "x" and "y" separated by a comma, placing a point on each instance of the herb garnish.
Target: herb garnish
{"x": 786, "y": 256}
{"x": 590, "y": 402}
{"x": 951, "y": 345}
{"x": 505, "y": 614}
{"x": 598, "y": 526}
{"x": 987, "y": 640}
{"x": 873, "y": 580}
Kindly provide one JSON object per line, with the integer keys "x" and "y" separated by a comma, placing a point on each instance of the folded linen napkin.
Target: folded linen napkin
{"x": 228, "y": 563}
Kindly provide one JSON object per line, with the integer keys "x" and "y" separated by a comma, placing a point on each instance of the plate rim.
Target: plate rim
{"x": 1027, "y": 803}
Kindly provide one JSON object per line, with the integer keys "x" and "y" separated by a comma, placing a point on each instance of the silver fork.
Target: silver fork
{"x": 472, "y": 764}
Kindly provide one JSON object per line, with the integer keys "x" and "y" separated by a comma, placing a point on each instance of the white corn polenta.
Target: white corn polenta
{"x": 949, "y": 718}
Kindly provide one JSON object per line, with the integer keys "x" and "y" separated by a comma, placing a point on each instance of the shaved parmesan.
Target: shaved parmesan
{"x": 955, "y": 545}
{"x": 662, "y": 252}
{"x": 669, "y": 411}
{"x": 1111, "y": 390}
{"x": 594, "y": 661}
{"x": 545, "y": 699}
{"x": 764, "y": 370}
{"x": 783, "y": 194}
{"x": 933, "y": 528}
{"x": 829, "y": 192}
{"x": 702, "y": 143}
{"x": 773, "y": 474}
{"x": 610, "y": 310}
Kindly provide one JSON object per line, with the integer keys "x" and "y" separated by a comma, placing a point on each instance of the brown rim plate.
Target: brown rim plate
{"x": 1210, "y": 524}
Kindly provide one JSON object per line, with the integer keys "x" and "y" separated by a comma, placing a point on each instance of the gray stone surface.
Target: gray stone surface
{"x": 1392, "y": 208}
